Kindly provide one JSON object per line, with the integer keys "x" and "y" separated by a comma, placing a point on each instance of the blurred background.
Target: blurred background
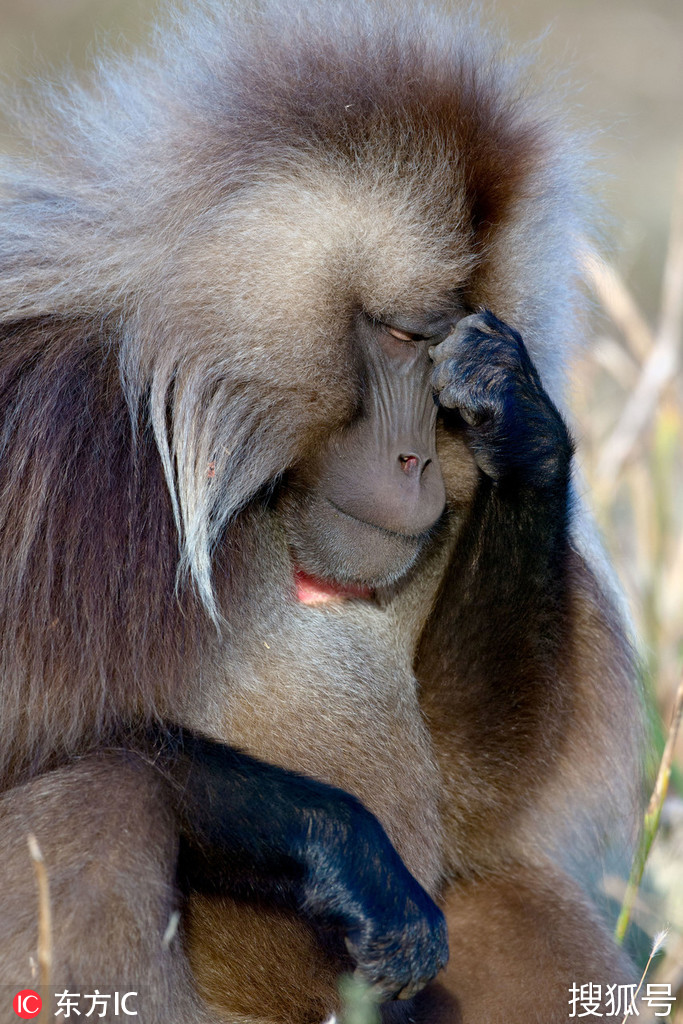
{"x": 627, "y": 58}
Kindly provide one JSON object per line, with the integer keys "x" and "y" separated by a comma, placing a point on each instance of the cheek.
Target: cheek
{"x": 310, "y": 397}
{"x": 325, "y": 373}
{"x": 333, "y": 383}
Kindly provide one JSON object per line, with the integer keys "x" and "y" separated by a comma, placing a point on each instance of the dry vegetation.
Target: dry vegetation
{"x": 629, "y": 406}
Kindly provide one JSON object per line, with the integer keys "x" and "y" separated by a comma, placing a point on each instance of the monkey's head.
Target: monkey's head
{"x": 304, "y": 208}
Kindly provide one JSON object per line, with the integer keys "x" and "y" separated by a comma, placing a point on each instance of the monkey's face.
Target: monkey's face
{"x": 362, "y": 507}
{"x": 287, "y": 364}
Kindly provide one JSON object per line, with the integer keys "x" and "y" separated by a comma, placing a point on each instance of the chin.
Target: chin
{"x": 334, "y": 545}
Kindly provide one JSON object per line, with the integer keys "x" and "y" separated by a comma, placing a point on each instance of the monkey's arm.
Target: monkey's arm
{"x": 527, "y": 684}
{"x": 512, "y": 553}
{"x": 252, "y": 829}
{"x": 523, "y": 651}
{"x": 490, "y": 659}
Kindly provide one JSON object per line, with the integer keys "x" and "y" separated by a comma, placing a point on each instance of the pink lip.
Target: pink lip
{"x": 310, "y": 590}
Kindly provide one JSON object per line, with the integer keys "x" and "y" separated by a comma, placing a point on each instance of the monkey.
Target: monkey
{"x": 310, "y": 660}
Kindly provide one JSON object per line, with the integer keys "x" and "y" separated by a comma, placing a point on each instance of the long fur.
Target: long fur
{"x": 185, "y": 249}
{"x": 259, "y": 177}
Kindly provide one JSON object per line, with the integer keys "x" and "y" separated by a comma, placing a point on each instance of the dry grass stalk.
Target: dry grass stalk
{"x": 657, "y": 944}
{"x": 610, "y": 355}
{"x": 672, "y": 285}
{"x": 617, "y": 300}
{"x": 44, "y": 913}
{"x": 662, "y": 361}
{"x": 652, "y": 816}
{"x": 670, "y": 971}
{"x": 171, "y": 929}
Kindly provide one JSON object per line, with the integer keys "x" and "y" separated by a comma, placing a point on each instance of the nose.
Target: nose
{"x": 412, "y": 465}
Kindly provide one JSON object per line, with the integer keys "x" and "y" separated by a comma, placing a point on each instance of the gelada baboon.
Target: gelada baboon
{"x": 301, "y": 633}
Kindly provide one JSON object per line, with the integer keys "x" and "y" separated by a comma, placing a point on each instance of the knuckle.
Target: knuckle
{"x": 446, "y": 349}
{"x": 475, "y": 321}
{"x": 443, "y": 350}
{"x": 450, "y": 398}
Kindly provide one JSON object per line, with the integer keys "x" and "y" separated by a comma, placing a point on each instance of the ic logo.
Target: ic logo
{"x": 27, "y": 1004}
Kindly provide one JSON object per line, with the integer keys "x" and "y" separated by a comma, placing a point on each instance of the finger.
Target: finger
{"x": 463, "y": 377}
{"x": 474, "y": 324}
{"x": 470, "y": 416}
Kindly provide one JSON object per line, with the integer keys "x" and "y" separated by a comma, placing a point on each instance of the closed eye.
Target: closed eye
{"x": 395, "y": 332}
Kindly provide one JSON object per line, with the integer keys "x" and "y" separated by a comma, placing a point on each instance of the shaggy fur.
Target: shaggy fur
{"x": 183, "y": 254}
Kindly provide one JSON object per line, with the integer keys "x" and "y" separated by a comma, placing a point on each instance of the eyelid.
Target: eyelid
{"x": 401, "y": 335}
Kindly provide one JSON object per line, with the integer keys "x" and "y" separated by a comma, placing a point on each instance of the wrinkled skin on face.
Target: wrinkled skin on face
{"x": 362, "y": 509}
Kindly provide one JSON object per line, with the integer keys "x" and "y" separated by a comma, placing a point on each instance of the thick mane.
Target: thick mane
{"x": 89, "y": 617}
{"x": 431, "y": 98}
{"x": 142, "y": 261}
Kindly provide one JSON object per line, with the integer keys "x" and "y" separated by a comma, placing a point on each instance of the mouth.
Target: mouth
{"x": 373, "y": 526}
{"x": 339, "y": 557}
{"x": 313, "y": 590}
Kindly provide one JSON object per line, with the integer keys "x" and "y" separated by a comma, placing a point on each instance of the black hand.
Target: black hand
{"x": 258, "y": 831}
{"x": 483, "y": 370}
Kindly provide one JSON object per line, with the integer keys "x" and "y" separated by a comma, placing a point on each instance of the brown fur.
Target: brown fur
{"x": 179, "y": 280}
{"x": 557, "y": 937}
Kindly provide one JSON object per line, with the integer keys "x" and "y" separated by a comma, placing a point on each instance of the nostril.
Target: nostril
{"x": 409, "y": 464}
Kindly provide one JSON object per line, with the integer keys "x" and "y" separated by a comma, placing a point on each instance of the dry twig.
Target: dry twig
{"x": 611, "y": 289}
